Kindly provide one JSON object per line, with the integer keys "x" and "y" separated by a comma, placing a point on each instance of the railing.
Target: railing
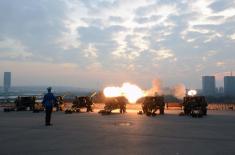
{"x": 211, "y": 106}
{"x": 221, "y": 106}
{"x": 174, "y": 105}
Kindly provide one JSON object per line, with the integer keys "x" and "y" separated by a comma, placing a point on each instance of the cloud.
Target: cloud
{"x": 221, "y": 5}
{"x": 157, "y": 9}
{"x": 120, "y": 40}
{"x": 220, "y": 63}
{"x": 116, "y": 19}
{"x": 209, "y": 54}
{"x": 98, "y": 35}
{"x": 131, "y": 46}
{"x": 206, "y": 21}
{"x": 232, "y": 36}
{"x": 90, "y": 52}
{"x": 163, "y": 54}
{"x": 13, "y": 49}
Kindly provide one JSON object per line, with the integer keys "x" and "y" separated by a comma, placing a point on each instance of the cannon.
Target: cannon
{"x": 58, "y": 105}
{"x": 38, "y": 106}
{"x": 113, "y": 103}
{"x": 151, "y": 104}
{"x": 81, "y": 102}
{"x": 23, "y": 103}
{"x": 195, "y": 106}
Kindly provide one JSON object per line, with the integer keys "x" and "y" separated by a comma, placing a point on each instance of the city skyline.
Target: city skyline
{"x": 90, "y": 43}
{"x": 209, "y": 85}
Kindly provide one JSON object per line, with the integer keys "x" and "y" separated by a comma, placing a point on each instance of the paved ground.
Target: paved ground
{"x": 91, "y": 133}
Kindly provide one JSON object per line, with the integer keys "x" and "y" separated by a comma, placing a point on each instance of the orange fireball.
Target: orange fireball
{"x": 130, "y": 91}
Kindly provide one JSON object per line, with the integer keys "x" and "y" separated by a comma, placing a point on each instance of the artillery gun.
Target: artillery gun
{"x": 58, "y": 105}
{"x": 23, "y": 103}
{"x": 151, "y": 104}
{"x": 195, "y": 106}
{"x": 81, "y": 102}
{"x": 38, "y": 106}
{"x": 113, "y": 103}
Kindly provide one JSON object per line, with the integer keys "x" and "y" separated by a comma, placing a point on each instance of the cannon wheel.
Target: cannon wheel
{"x": 154, "y": 114}
{"x": 89, "y": 109}
{"x": 148, "y": 113}
{"x": 106, "y": 113}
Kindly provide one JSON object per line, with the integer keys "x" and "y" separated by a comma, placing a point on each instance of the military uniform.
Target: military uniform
{"x": 48, "y": 101}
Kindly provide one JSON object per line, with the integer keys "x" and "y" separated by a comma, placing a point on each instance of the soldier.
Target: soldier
{"x": 48, "y": 101}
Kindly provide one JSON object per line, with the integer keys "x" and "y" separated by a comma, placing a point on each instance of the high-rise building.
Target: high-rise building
{"x": 208, "y": 85}
{"x": 221, "y": 90}
{"x": 229, "y": 85}
{"x": 7, "y": 81}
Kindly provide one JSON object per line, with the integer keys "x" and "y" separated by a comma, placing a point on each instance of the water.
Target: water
{"x": 67, "y": 93}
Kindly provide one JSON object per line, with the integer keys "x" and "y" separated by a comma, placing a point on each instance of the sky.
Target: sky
{"x": 94, "y": 43}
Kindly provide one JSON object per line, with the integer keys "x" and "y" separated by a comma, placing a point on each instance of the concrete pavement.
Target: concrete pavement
{"x": 92, "y": 133}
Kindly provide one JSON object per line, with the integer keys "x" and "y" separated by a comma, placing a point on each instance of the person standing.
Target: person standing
{"x": 48, "y": 101}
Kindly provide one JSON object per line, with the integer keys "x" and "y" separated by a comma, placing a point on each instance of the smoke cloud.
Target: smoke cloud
{"x": 179, "y": 91}
{"x": 156, "y": 88}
